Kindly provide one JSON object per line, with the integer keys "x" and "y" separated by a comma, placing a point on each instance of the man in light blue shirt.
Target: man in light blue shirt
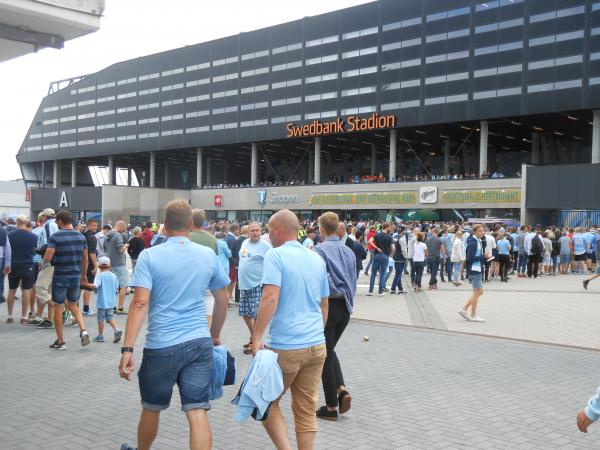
{"x": 250, "y": 272}
{"x": 170, "y": 281}
{"x": 295, "y": 301}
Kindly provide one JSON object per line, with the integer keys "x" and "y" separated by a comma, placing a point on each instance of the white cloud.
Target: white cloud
{"x": 130, "y": 28}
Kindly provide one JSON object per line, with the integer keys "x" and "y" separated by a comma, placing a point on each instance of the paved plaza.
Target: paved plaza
{"x": 413, "y": 387}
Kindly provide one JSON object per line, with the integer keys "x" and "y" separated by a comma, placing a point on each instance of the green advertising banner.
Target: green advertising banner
{"x": 367, "y": 198}
{"x": 482, "y": 196}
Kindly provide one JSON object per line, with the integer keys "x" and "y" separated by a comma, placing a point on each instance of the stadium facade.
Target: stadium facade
{"x": 406, "y": 90}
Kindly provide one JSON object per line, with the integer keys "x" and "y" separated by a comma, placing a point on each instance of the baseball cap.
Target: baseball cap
{"x": 48, "y": 212}
{"x": 104, "y": 261}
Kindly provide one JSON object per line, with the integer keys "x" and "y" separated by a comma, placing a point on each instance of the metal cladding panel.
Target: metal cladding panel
{"x": 579, "y": 189}
{"x": 426, "y": 61}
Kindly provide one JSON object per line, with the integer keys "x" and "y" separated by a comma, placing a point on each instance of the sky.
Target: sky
{"x": 130, "y": 28}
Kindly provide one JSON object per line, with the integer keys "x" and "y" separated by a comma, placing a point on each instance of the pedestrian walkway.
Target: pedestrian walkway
{"x": 550, "y": 309}
{"x": 412, "y": 389}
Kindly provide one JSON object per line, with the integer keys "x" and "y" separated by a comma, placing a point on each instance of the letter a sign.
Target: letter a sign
{"x": 63, "y": 200}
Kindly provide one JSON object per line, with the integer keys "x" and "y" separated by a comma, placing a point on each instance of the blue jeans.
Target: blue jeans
{"x": 387, "y": 275}
{"x": 522, "y": 262}
{"x": 371, "y": 256}
{"x": 433, "y": 263}
{"x": 456, "y": 270}
{"x": 65, "y": 288}
{"x": 413, "y": 271}
{"x": 189, "y": 364}
{"x": 397, "y": 283}
{"x": 418, "y": 266}
{"x": 2, "y": 276}
{"x": 445, "y": 267}
{"x": 380, "y": 263}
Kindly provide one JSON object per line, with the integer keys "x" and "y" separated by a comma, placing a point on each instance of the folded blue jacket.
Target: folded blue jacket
{"x": 262, "y": 384}
{"x": 223, "y": 373}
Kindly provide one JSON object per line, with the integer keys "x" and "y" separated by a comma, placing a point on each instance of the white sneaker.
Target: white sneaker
{"x": 476, "y": 319}
{"x": 381, "y": 295}
{"x": 464, "y": 314}
{"x": 369, "y": 294}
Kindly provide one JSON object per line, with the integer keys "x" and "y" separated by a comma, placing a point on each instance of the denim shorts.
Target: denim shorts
{"x": 188, "y": 364}
{"x": 65, "y": 288}
{"x": 105, "y": 314}
{"x": 564, "y": 259}
{"x": 476, "y": 280}
{"x": 122, "y": 275}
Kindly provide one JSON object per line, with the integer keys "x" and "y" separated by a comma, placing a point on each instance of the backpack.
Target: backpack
{"x": 537, "y": 246}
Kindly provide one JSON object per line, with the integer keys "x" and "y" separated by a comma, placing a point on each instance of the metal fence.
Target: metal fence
{"x": 577, "y": 218}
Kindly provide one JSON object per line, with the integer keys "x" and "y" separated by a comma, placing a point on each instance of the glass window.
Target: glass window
{"x": 541, "y": 64}
{"x": 485, "y": 72}
{"x": 389, "y": 106}
{"x": 567, "y": 84}
{"x": 435, "y": 100}
{"x": 545, "y": 87}
{"x": 410, "y": 104}
{"x": 568, "y": 36}
{"x": 594, "y": 81}
{"x": 457, "y": 98}
{"x": 509, "y": 91}
{"x": 486, "y": 28}
{"x": 287, "y": 48}
{"x": 410, "y": 83}
{"x": 595, "y": 56}
{"x": 510, "y": 69}
{"x": 483, "y": 94}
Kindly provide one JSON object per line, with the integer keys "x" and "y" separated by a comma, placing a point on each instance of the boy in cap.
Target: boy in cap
{"x": 107, "y": 285}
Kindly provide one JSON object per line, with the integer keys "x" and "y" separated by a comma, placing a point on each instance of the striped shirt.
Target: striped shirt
{"x": 69, "y": 246}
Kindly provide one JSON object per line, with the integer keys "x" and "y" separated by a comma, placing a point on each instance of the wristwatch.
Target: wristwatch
{"x": 126, "y": 349}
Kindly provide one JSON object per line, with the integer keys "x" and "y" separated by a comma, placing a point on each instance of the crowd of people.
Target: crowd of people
{"x": 365, "y": 179}
{"x": 295, "y": 282}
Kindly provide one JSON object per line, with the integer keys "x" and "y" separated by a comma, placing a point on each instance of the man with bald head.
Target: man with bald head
{"x": 344, "y": 238}
{"x": 116, "y": 250}
{"x": 295, "y": 302}
{"x": 251, "y": 257}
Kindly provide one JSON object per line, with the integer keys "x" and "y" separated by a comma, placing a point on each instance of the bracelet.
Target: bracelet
{"x": 126, "y": 349}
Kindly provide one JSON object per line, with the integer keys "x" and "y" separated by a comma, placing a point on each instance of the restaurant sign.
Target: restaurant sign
{"x": 482, "y": 196}
{"x": 366, "y": 198}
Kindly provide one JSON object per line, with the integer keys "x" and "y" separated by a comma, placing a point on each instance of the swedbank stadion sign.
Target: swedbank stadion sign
{"x": 339, "y": 125}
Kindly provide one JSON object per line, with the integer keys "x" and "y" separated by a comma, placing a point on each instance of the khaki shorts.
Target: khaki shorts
{"x": 43, "y": 285}
{"x": 302, "y": 371}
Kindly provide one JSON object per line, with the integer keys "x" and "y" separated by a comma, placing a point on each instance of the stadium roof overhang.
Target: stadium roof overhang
{"x": 505, "y": 134}
{"x": 27, "y": 26}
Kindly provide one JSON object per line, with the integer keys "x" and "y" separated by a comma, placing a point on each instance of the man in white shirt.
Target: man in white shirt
{"x": 309, "y": 242}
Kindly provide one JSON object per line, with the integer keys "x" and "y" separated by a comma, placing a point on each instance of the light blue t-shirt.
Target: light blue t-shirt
{"x": 579, "y": 244}
{"x": 108, "y": 285}
{"x": 590, "y": 240}
{"x": 503, "y": 246}
{"x": 447, "y": 240}
{"x": 301, "y": 275}
{"x": 177, "y": 273}
{"x": 251, "y": 259}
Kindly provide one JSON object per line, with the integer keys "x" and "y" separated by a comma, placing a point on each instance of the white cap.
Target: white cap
{"x": 104, "y": 261}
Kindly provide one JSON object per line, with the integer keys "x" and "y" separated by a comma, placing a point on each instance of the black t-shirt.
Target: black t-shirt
{"x": 92, "y": 244}
{"x": 136, "y": 245}
{"x": 22, "y": 246}
{"x": 384, "y": 241}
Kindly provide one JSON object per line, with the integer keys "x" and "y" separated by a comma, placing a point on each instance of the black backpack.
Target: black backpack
{"x": 537, "y": 246}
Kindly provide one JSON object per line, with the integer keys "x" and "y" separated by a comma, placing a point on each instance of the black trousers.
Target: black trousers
{"x": 504, "y": 261}
{"x": 332, "y": 377}
{"x": 533, "y": 263}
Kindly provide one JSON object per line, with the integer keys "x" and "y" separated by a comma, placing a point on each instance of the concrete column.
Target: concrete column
{"x": 73, "y": 172}
{"x": 254, "y": 165}
{"x": 392, "y": 166}
{"x": 111, "y": 170}
{"x": 317, "y": 160}
{"x": 373, "y": 159}
{"x": 311, "y": 167}
{"x": 199, "y": 158}
{"x": 226, "y": 172}
{"x": 56, "y": 174}
{"x": 446, "y": 157}
{"x": 208, "y": 170}
{"x": 166, "y": 175}
{"x": 129, "y": 177}
{"x": 43, "y": 174}
{"x": 535, "y": 148}
{"x": 483, "y": 147}
{"x": 596, "y": 138}
{"x": 152, "y": 170}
